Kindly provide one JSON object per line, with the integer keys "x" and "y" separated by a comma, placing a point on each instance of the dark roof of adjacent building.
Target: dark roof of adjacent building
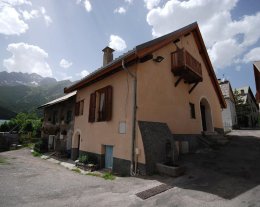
{"x": 147, "y": 48}
{"x": 59, "y": 100}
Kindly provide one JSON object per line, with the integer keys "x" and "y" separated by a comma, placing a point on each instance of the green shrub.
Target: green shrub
{"x": 41, "y": 146}
{"x": 83, "y": 159}
{"x": 108, "y": 176}
{"x": 36, "y": 154}
{"x": 76, "y": 170}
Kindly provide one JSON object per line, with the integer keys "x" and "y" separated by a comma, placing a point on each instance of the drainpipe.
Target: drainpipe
{"x": 132, "y": 168}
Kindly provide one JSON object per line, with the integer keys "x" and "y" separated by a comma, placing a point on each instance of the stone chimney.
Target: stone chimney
{"x": 108, "y": 55}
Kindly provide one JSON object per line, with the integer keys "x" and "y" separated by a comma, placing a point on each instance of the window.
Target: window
{"x": 192, "y": 111}
{"x": 101, "y": 98}
{"x": 79, "y": 108}
{"x": 54, "y": 117}
{"x": 69, "y": 116}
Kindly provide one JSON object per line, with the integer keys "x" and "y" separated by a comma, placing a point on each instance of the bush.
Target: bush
{"x": 108, "y": 176}
{"x": 41, "y": 146}
{"x": 83, "y": 159}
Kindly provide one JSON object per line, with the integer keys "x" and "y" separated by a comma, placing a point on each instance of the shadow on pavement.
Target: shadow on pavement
{"x": 226, "y": 172}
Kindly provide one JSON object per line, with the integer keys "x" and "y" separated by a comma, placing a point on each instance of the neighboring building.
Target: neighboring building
{"x": 247, "y": 110}
{"x": 58, "y": 123}
{"x": 256, "y": 66}
{"x": 134, "y": 107}
{"x": 229, "y": 116}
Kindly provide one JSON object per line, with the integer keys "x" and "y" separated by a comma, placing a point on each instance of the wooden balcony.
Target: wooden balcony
{"x": 186, "y": 66}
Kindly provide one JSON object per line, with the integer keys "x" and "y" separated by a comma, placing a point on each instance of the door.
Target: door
{"x": 78, "y": 146}
{"x": 203, "y": 117}
{"x": 108, "y": 156}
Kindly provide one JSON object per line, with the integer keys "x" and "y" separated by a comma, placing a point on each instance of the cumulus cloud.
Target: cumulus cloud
{"x": 252, "y": 55}
{"x": 120, "y": 10}
{"x": 65, "y": 63}
{"x": 219, "y": 29}
{"x": 87, "y": 5}
{"x": 27, "y": 59}
{"x": 11, "y": 22}
{"x": 13, "y": 19}
{"x": 151, "y": 3}
{"x": 117, "y": 43}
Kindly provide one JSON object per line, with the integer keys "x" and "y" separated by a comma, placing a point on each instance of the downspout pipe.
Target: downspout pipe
{"x": 132, "y": 169}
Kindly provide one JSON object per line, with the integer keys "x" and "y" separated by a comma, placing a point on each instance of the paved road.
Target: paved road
{"x": 213, "y": 179}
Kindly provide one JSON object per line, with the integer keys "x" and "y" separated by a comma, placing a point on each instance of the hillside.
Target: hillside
{"x": 6, "y": 114}
{"x": 15, "y": 98}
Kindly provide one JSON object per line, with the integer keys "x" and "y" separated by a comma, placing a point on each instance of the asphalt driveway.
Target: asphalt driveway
{"x": 229, "y": 176}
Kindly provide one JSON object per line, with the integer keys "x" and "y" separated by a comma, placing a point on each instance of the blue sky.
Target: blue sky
{"x": 64, "y": 39}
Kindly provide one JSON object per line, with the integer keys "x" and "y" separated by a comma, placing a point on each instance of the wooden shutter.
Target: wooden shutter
{"x": 77, "y": 109}
{"x": 108, "y": 103}
{"x": 81, "y": 107}
{"x": 92, "y": 108}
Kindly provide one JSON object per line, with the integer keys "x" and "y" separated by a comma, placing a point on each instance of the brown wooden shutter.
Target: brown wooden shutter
{"x": 81, "y": 107}
{"x": 77, "y": 109}
{"x": 92, "y": 108}
{"x": 108, "y": 103}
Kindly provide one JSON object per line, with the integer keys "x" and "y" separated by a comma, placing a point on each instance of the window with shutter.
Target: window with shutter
{"x": 92, "y": 107}
{"x": 77, "y": 109}
{"x": 103, "y": 99}
{"x": 81, "y": 107}
{"x": 108, "y": 103}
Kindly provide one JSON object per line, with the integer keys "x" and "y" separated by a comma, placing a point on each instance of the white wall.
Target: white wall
{"x": 229, "y": 115}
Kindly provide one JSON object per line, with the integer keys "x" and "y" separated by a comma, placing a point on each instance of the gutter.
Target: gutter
{"x": 133, "y": 163}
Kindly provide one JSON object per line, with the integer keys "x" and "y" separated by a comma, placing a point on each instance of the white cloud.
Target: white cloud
{"x": 65, "y": 63}
{"x": 129, "y": 1}
{"x": 30, "y": 15}
{"x": 219, "y": 29}
{"x": 224, "y": 52}
{"x": 87, "y": 5}
{"x": 117, "y": 43}
{"x": 17, "y": 2}
{"x": 151, "y": 3}
{"x": 252, "y": 55}
{"x": 120, "y": 10}
{"x": 10, "y": 21}
{"x": 13, "y": 19}
{"x": 27, "y": 59}
{"x": 83, "y": 73}
{"x": 46, "y": 18}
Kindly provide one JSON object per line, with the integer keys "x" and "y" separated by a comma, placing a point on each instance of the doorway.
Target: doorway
{"x": 77, "y": 153}
{"x": 108, "y": 156}
{"x": 206, "y": 118}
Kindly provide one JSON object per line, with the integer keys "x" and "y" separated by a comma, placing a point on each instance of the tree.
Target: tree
{"x": 242, "y": 109}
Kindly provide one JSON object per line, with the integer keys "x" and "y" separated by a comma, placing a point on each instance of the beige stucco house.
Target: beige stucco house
{"x": 136, "y": 106}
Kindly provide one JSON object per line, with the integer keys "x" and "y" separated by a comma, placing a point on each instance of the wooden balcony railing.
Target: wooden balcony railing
{"x": 186, "y": 66}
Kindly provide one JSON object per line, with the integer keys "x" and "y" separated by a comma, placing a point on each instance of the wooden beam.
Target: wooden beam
{"x": 178, "y": 81}
{"x": 192, "y": 88}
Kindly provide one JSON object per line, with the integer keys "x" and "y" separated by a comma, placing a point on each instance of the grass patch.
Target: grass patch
{"x": 3, "y": 161}
{"x": 36, "y": 154}
{"x": 29, "y": 145}
{"x": 108, "y": 176}
{"x": 94, "y": 174}
{"x": 77, "y": 170}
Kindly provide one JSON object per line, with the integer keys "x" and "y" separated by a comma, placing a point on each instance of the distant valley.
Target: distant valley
{"x": 22, "y": 92}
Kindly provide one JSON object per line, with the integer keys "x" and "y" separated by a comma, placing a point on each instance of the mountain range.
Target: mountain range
{"x": 23, "y": 92}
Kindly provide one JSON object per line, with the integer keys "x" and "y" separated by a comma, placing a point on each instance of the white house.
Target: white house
{"x": 229, "y": 116}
